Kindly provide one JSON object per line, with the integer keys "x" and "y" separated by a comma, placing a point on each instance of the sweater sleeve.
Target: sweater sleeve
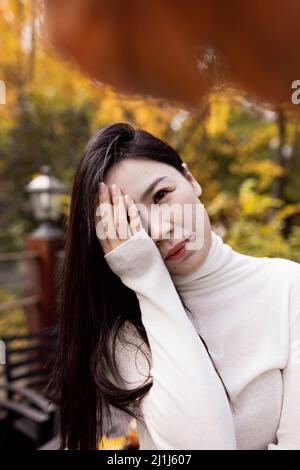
{"x": 288, "y": 434}
{"x": 186, "y": 407}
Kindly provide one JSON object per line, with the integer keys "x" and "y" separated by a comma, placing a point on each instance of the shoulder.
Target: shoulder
{"x": 287, "y": 274}
{"x": 284, "y": 267}
{"x": 280, "y": 270}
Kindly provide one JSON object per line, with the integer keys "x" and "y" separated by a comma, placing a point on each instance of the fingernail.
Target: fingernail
{"x": 114, "y": 189}
{"x": 102, "y": 187}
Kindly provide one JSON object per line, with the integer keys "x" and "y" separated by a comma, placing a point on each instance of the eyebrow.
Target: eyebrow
{"x": 151, "y": 187}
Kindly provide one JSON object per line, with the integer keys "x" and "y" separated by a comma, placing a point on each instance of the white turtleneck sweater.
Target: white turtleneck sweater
{"x": 247, "y": 310}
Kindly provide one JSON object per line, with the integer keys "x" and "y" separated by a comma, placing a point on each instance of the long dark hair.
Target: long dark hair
{"x": 93, "y": 303}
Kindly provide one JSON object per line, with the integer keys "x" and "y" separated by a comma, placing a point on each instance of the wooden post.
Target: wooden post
{"x": 46, "y": 241}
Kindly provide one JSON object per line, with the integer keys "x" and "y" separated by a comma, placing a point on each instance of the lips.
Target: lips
{"x": 175, "y": 249}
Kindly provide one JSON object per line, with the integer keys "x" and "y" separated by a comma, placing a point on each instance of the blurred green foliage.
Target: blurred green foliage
{"x": 12, "y": 320}
{"x": 245, "y": 156}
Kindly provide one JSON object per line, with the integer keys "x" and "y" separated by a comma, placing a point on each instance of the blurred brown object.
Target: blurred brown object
{"x": 176, "y": 50}
{"x": 132, "y": 440}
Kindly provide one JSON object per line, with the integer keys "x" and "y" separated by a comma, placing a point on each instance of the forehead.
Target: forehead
{"x": 134, "y": 176}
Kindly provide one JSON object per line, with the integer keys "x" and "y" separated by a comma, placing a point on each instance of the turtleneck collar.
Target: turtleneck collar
{"x": 217, "y": 258}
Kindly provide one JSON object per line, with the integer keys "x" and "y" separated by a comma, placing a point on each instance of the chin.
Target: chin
{"x": 184, "y": 266}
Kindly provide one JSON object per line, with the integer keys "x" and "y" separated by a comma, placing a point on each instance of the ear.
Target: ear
{"x": 193, "y": 181}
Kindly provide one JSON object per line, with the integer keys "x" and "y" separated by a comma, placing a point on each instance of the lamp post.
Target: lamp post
{"x": 45, "y": 194}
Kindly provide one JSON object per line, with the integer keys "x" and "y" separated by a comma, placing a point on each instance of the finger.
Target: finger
{"x": 105, "y": 214}
{"x": 134, "y": 217}
{"x": 127, "y": 216}
{"x": 120, "y": 214}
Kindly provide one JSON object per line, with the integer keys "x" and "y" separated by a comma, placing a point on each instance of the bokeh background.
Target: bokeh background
{"x": 246, "y": 157}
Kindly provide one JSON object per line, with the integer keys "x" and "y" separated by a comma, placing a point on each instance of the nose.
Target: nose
{"x": 161, "y": 231}
{"x": 159, "y": 224}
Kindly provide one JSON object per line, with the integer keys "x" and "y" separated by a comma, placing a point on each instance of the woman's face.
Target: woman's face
{"x": 170, "y": 211}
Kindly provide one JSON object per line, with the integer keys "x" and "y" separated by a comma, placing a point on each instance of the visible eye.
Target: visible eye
{"x": 161, "y": 191}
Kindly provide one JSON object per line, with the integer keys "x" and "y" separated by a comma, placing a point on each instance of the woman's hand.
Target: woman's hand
{"x": 117, "y": 217}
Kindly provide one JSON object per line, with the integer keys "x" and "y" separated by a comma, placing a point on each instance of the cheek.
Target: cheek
{"x": 188, "y": 210}
{"x": 156, "y": 220}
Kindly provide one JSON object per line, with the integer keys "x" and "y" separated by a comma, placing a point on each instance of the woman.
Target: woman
{"x": 200, "y": 345}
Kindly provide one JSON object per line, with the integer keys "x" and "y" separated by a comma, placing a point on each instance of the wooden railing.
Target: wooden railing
{"x": 19, "y": 256}
{"x": 23, "y": 279}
